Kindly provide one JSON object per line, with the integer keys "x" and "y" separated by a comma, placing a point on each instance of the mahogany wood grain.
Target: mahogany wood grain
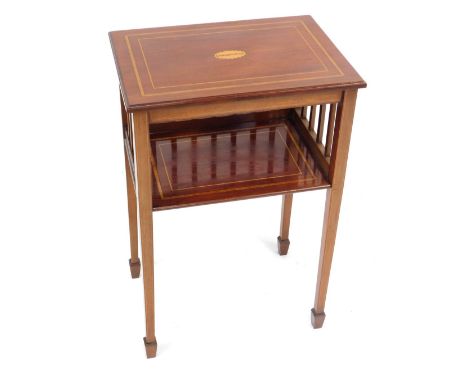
{"x": 127, "y": 125}
{"x": 223, "y": 108}
{"x": 308, "y": 137}
{"x": 134, "y": 261}
{"x": 283, "y": 238}
{"x": 282, "y": 55}
{"x": 274, "y": 162}
{"x": 321, "y": 123}
{"x": 333, "y": 201}
{"x": 330, "y": 129}
{"x": 217, "y": 112}
{"x": 206, "y": 125}
{"x": 143, "y": 160}
{"x": 313, "y": 112}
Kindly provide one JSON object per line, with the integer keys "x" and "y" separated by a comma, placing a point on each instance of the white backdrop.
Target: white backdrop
{"x": 228, "y": 308}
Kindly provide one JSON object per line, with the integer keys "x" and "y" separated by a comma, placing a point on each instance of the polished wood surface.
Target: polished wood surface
{"x": 228, "y": 60}
{"x": 143, "y": 160}
{"x": 333, "y": 202}
{"x": 283, "y": 238}
{"x": 243, "y": 106}
{"x": 238, "y": 162}
{"x": 230, "y": 111}
{"x": 330, "y": 128}
{"x": 134, "y": 260}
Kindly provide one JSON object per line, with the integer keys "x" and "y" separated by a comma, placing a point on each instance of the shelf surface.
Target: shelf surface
{"x": 230, "y": 164}
{"x": 199, "y": 63}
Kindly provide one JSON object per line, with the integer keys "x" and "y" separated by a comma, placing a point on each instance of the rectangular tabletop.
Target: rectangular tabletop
{"x": 206, "y": 62}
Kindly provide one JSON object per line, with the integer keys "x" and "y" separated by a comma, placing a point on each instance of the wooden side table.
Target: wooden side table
{"x": 230, "y": 111}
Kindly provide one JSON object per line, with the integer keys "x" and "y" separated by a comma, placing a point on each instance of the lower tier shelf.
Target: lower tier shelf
{"x": 222, "y": 160}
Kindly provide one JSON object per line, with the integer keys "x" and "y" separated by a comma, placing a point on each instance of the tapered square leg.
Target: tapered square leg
{"x": 338, "y": 161}
{"x": 283, "y": 238}
{"x": 132, "y": 201}
{"x": 145, "y": 205}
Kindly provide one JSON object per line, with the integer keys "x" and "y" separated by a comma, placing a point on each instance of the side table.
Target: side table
{"x": 229, "y": 111}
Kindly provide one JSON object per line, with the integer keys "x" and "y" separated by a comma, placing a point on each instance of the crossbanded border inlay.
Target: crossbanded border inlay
{"x": 240, "y": 28}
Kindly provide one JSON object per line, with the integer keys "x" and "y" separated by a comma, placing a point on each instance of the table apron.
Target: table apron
{"x": 241, "y": 106}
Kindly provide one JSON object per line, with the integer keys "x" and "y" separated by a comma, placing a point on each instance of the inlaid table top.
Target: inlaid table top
{"x": 229, "y": 60}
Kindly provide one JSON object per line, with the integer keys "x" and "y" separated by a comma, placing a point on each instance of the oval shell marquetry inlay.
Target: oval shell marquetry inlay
{"x": 229, "y": 54}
